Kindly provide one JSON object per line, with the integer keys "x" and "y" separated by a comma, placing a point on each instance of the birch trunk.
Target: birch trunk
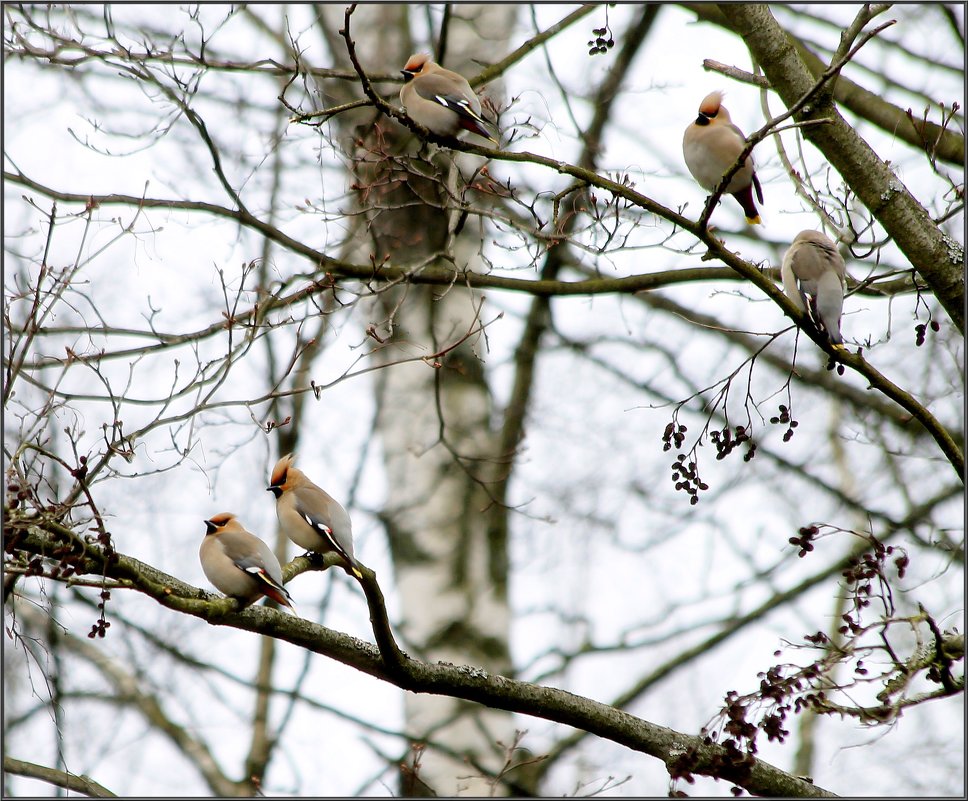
{"x": 446, "y": 532}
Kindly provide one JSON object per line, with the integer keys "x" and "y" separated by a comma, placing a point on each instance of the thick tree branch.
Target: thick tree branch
{"x": 851, "y": 95}
{"x": 392, "y": 665}
{"x": 447, "y": 277}
{"x": 59, "y": 778}
{"x": 937, "y": 257}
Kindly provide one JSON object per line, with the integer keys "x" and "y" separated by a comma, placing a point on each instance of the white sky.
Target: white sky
{"x": 570, "y": 563}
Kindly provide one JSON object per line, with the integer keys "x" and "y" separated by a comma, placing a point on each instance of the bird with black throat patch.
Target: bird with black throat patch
{"x": 310, "y": 516}
{"x": 711, "y": 145}
{"x": 240, "y": 564}
{"x": 441, "y": 100}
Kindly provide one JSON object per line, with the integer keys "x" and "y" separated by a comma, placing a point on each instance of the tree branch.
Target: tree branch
{"x": 392, "y": 665}
{"x": 938, "y": 258}
{"x": 59, "y": 778}
{"x": 637, "y": 283}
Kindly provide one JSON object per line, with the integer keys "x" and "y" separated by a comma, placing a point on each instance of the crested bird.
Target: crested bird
{"x": 309, "y": 516}
{"x": 711, "y": 145}
{"x": 240, "y": 564}
{"x": 441, "y": 100}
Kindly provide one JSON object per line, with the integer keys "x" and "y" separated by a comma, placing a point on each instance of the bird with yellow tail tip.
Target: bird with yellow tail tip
{"x": 440, "y": 100}
{"x": 239, "y": 563}
{"x": 813, "y": 274}
{"x": 309, "y": 516}
{"x": 711, "y": 145}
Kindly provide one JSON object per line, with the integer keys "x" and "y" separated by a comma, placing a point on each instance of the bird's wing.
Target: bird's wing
{"x": 438, "y": 90}
{"x": 322, "y": 527}
{"x": 828, "y": 252}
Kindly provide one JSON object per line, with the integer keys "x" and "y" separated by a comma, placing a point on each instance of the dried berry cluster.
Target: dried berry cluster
{"x": 685, "y": 474}
{"x": 860, "y": 576}
{"x": 69, "y": 554}
{"x": 784, "y": 418}
{"x": 728, "y": 762}
{"x": 789, "y": 688}
{"x": 780, "y": 694}
{"x": 600, "y": 45}
{"x": 17, "y": 494}
{"x": 686, "y": 478}
{"x": 726, "y": 441}
{"x": 100, "y": 626}
{"x": 920, "y": 329}
{"x": 803, "y": 539}
{"x": 833, "y": 363}
{"x": 674, "y": 434}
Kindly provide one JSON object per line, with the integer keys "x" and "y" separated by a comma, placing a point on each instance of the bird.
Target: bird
{"x": 813, "y": 273}
{"x": 440, "y": 100}
{"x": 309, "y": 516}
{"x": 711, "y": 145}
{"x": 239, "y": 563}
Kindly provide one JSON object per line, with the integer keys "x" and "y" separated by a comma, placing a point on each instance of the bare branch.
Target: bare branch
{"x": 84, "y": 785}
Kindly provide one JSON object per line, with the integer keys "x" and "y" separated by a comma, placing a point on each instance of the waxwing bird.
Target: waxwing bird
{"x": 309, "y": 516}
{"x": 440, "y": 100}
{"x": 239, "y": 563}
{"x": 813, "y": 274}
{"x": 711, "y": 145}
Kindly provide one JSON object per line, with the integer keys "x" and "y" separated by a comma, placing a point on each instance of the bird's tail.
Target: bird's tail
{"x": 475, "y": 126}
{"x": 276, "y": 592}
{"x": 745, "y": 199}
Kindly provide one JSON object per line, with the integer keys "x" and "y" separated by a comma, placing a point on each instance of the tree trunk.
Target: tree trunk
{"x": 446, "y": 535}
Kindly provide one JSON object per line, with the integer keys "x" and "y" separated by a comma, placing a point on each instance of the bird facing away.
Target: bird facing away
{"x": 309, "y": 516}
{"x": 711, "y": 145}
{"x": 440, "y": 100}
{"x": 813, "y": 274}
{"x": 239, "y": 563}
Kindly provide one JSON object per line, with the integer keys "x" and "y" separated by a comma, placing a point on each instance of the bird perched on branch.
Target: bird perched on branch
{"x": 239, "y": 563}
{"x": 711, "y": 145}
{"x": 813, "y": 273}
{"x": 440, "y": 100}
{"x": 309, "y": 516}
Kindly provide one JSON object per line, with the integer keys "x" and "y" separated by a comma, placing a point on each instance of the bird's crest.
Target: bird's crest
{"x": 281, "y": 471}
{"x": 416, "y": 63}
{"x": 218, "y": 521}
{"x": 711, "y": 104}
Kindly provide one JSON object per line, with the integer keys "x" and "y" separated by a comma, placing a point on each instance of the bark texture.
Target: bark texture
{"x": 937, "y": 258}
{"x": 446, "y": 533}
